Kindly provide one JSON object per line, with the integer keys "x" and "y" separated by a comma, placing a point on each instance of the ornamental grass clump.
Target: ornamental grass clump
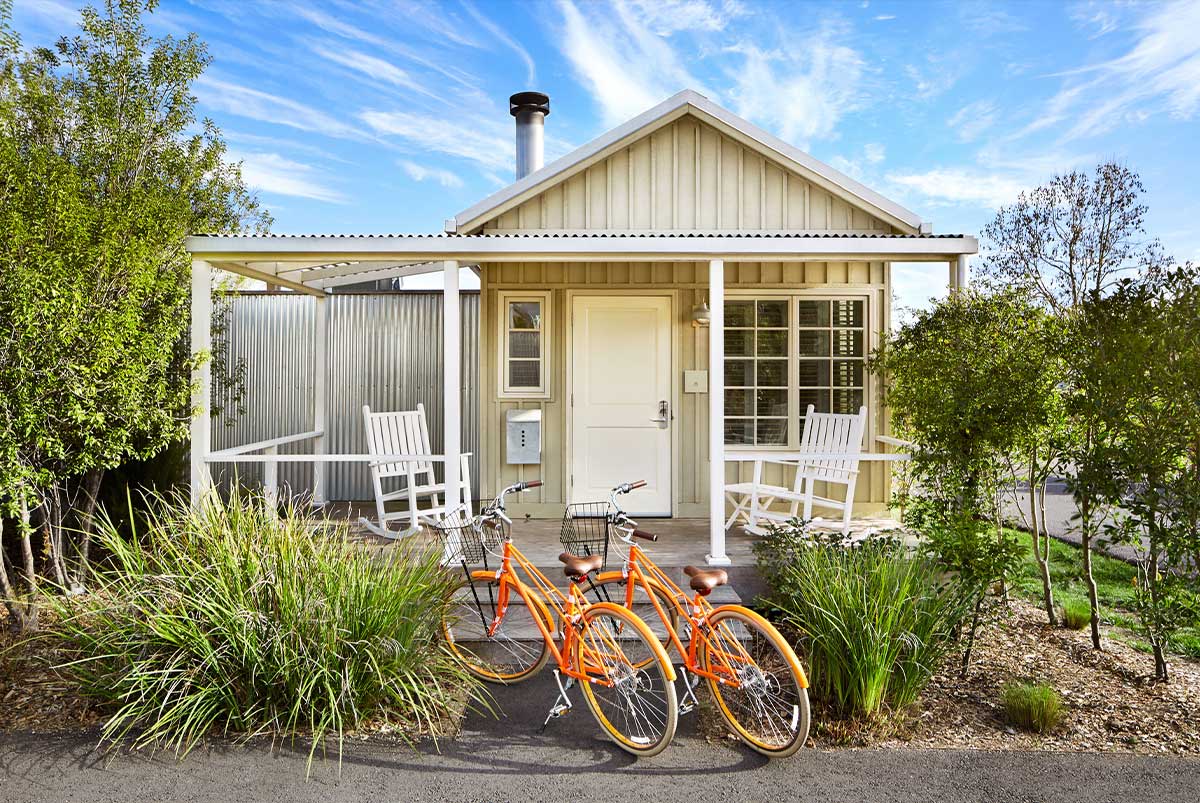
{"x": 873, "y": 622}
{"x": 1032, "y": 706}
{"x": 239, "y": 620}
{"x": 1076, "y": 614}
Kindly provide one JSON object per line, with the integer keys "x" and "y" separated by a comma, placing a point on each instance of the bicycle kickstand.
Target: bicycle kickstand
{"x": 562, "y": 705}
{"x": 689, "y": 702}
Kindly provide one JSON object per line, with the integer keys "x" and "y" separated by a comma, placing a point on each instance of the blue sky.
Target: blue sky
{"x": 391, "y": 115}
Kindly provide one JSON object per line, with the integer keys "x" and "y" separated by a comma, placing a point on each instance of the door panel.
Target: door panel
{"x": 621, "y": 375}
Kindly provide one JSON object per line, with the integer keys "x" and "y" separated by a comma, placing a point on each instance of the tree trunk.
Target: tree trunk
{"x": 29, "y": 619}
{"x": 1154, "y": 630}
{"x": 966, "y": 659}
{"x": 1085, "y": 539}
{"x": 52, "y": 524}
{"x": 87, "y": 526}
{"x": 1043, "y": 562}
{"x": 6, "y": 588}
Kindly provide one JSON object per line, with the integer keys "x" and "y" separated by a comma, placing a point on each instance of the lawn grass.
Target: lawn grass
{"x": 1115, "y": 588}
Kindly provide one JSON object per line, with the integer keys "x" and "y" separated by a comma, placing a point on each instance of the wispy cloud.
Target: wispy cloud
{"x": 952, "y": 185}
{"x": 374, "y": 68}
{"x": 799, "y": 93}
{"x": 622, "y": 62}
{"x": 665, "y": 17}
{"x": 257, "y": 105}
{"x": 973, "y": 119}
{"x": 500, "y": 34}
{"x": 487, "y": 143}
{"x": 1159, "y": 74}
{"x": 422, "y": 173}
{"x": 56, "y": 13}
{"x": 272, "y": 173}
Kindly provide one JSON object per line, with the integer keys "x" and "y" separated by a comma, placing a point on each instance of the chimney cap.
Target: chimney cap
{"x": 528, "y": 101}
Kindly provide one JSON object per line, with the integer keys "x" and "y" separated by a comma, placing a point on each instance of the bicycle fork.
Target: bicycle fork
{"x": 562, "y": 705}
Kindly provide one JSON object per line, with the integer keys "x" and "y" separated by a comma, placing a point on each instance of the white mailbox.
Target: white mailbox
{"x": 524, "y": 437}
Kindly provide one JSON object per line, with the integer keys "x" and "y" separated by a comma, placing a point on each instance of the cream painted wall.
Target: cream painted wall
{"x": 686, "y": 284}
{"x": 687, "y": 176}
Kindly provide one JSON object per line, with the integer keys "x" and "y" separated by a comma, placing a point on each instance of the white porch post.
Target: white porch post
{"x": 716, "y": 415}
{"x": 958, "y": 273}
{"x": 320, "y": 378}
{"x": 200, "y": 478}
{"x": 452, "y": 382}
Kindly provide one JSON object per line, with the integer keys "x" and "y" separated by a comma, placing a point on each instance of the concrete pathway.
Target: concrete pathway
{"x": 507, "y": 759}
{"x": 1060, "y": 507}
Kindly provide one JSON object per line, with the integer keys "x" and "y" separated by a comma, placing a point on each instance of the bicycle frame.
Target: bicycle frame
{"x": 545, "y": 595}
{"x": 639, "y": 570}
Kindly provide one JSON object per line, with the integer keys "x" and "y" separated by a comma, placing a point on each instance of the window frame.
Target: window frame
{"x": 795, "y": 414}
{"x": 504, "y": 389}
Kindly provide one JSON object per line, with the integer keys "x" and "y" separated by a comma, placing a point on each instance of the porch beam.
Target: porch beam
{"x": 199, "y": 475}
{"x": 451, "y": 382}
{"x": 565, "y": 248}
{"x": 235, "y": 266}
{"x": 716, "y": 415}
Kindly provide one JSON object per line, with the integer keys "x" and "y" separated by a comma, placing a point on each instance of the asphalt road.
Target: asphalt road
{"x": 506, "y": 759}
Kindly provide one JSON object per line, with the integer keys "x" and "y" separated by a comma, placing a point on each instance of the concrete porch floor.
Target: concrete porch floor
{"x": 681, "y": 542}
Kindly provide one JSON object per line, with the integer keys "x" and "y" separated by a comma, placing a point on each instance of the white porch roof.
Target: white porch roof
{"x": 315, "y": 263}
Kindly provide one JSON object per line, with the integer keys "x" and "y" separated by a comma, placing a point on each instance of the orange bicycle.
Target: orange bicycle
{"x": 503, "y": 631}
{"x": 753, "y": 673}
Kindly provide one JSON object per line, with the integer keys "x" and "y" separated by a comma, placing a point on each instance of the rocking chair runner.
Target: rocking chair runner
{"x": 404, "y": 433}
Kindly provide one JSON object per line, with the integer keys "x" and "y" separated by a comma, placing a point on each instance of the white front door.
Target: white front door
{"x": 621, "y": 400}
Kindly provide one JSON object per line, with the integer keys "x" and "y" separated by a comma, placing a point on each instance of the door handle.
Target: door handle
{"x": 664, "y": 414}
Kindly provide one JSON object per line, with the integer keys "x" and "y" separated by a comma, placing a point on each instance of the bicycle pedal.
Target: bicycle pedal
{"x": 686, "y": 707}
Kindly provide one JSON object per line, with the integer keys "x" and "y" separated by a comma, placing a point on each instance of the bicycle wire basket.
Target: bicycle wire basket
{"x": 585, "y": 529}
{"x": 467, "y": 540}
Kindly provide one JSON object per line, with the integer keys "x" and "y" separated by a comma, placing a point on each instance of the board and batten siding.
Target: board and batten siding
{"x": 687, "y": 176}
{"x": 686, "y": 283}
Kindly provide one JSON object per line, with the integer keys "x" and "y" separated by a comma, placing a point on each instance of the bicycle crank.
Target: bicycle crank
{"x": 562, "y": 705}
{"x": 689, "y": 703}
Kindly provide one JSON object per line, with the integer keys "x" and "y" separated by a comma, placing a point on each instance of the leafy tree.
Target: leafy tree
{"x": 972, "y": 385}
{"x": 103, "y": 172}
{"x": 1138, "y": 374}
{"x": 1071, "y": 238}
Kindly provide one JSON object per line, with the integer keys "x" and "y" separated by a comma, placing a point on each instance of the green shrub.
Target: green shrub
{"x": 874, "y": 623}
{"x": 1032, "y": 706}
{"x": 1076, "y": 614}
{"x": 236, "y": 620}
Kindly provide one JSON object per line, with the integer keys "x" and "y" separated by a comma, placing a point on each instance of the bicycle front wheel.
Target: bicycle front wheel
{"x": 516, "y": 650}
{"x": 760, "y": 688}
{"x": 629, "y": 686}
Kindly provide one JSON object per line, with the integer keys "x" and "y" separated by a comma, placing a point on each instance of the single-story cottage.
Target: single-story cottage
{"x": 654, "y": 305}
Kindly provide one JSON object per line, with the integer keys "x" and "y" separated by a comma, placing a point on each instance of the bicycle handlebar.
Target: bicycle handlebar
{"x": 645, "y": 536}
{"x": 626, "y": 487}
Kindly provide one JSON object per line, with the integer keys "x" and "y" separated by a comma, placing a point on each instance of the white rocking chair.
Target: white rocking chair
{"x": 407, "y": 433}
{"x": 824, "y": 433}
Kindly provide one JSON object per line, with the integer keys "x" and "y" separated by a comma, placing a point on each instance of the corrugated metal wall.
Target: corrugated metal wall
{"x": 384, "y": 351}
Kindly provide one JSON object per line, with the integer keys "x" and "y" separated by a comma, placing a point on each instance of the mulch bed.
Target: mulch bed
{"x": 1110, "y": 699}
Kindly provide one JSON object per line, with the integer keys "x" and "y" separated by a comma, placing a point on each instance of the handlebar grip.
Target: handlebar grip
{"x": 633, "y": 486}
{"x": 525, "y": 486}
{"x": 645, "y": 536}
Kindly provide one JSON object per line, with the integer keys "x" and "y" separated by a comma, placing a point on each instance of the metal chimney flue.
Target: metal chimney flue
{"x": 530, "y": 109}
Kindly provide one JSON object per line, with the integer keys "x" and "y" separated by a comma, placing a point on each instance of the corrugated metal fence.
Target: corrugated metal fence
{"x": 385, "y": 351}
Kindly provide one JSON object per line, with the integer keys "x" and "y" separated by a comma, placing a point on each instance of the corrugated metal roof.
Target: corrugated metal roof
{"x": 600, "y": 235}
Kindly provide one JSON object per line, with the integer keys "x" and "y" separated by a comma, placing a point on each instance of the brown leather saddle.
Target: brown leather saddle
{"x": 577, "y": 568}
{"x": 705, "y": 580}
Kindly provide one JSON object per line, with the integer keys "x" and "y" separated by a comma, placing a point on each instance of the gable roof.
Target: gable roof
{"x": 671, "y": 109}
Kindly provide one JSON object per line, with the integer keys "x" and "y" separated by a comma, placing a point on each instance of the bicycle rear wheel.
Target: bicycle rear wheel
{"x": 765, "y": 696}
{"x": 516, "y": 650}
{"x": 629, "y": 686}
